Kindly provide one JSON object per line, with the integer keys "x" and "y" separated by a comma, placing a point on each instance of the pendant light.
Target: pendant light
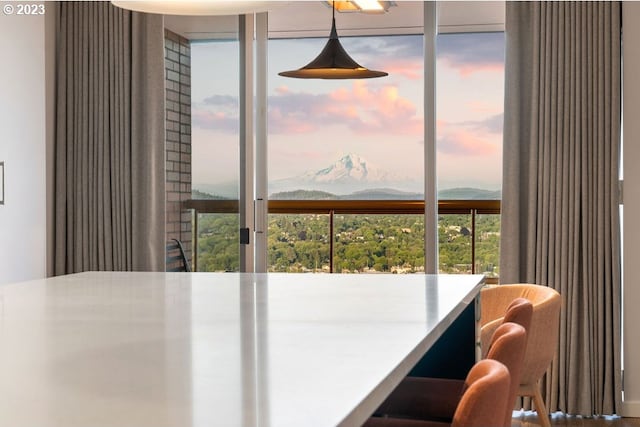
{"x": 333, "y": 62}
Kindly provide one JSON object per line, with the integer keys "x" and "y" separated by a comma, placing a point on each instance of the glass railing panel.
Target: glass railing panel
{"x": 379, "y": 243}
{"x": 487, "y": 259}
{"x": 218, "y": 243}
{"x": 374, "y": 236}
{"x": 454, "y": 240}
{"x": 299, "y": 243}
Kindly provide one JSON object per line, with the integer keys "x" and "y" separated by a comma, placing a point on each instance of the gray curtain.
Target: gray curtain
{"x": 560, "y": 220}
{"x": 109, "y": 166}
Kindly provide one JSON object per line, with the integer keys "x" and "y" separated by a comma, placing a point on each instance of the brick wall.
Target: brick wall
{"x": 178, "y": 141}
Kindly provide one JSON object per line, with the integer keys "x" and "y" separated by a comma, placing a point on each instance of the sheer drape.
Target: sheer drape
{"x": 109, "y": 164}
{"x": 560, "y": 220}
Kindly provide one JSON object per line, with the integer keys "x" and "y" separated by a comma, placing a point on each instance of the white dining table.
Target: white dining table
{"x": 120, "y": 349}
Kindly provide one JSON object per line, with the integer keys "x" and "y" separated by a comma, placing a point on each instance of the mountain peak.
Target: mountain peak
{"x": 350, "y": 168}
{"x": 351, "y": 158}
{"x": 351, "y": 172}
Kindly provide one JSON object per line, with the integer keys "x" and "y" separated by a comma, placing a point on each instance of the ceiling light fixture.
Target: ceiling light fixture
{"x": 370, "y": 5}
{"x": 333, "y": 62}
{"x": 343, "y": 5}
{"x": 367, "y": 6}
{"x": 197, "y": 7}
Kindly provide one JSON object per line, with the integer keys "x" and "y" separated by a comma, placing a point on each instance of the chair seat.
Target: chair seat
{"x": 483, "y": 403}
{"x": 436, "y": 399}
{"x": 424, "y": 398}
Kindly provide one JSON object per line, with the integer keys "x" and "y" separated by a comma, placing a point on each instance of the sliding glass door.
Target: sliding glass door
{"x": 215, "y": 122}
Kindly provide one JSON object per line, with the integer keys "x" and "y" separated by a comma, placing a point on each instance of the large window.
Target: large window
{"x": 358, "y": 141}
{"x": 215, "y": 118}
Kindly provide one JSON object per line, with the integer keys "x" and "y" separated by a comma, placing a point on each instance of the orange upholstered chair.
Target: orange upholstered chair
{"x": 437, "y": 398}
{"x": 482, "y": 404}
{"x": 542, "y": 334}
{"x": 508, "y": 347}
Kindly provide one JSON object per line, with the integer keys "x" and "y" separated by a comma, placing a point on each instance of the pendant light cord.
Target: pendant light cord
{"x": 334, "y": 33}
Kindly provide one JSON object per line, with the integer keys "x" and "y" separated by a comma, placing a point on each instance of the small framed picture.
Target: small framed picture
{"x": 1, "y": 183}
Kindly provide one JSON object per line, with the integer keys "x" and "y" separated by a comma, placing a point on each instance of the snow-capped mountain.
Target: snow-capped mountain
{"x": 350, "y": 168}
{"x": 350, "y": 177}
{"x": 349, "y": 174}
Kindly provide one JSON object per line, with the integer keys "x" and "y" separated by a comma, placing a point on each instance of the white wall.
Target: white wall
{"x": 22, "y": 147}
{"x": 631, "y": 275}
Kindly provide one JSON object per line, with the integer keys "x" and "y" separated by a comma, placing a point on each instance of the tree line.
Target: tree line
{"x": 362, "y": 243}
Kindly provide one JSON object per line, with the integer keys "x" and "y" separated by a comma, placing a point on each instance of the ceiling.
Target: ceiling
{"x": 313, "y": 19}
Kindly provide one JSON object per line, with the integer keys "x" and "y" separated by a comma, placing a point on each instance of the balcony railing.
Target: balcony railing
{"x": 473, "y": 208}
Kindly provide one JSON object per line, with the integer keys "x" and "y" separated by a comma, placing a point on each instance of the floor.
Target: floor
{"x": 529, "y": 419}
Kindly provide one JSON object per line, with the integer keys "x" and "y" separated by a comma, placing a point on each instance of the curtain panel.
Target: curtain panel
{"x": 560, "y": 206}
{"x": 109, "y": 165}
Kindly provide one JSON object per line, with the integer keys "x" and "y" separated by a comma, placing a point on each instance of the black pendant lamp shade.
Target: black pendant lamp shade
{"x": 333, "y": 63}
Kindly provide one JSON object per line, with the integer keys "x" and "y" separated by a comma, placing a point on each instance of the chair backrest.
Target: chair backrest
{"x": 176, "y": 257}
{"x": 508, "y": 347}
{"x": 542, "y": 334}
{"x": 519, "y": 311}
{"x": 485, "y": 398}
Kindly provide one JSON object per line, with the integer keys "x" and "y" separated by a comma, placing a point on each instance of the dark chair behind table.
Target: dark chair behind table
{"x": 436, "y": 399}
{"x": 482, "y": 404}
{"x": 176, "y": 258}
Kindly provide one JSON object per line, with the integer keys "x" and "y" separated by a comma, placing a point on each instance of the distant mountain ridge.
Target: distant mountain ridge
{"x": 374, "y": 194}
{"x": 303, "y": 195}
{"x": 349, "y": 178}
{"x": 388, "y": 194}
{"x": 467, "y": 193}
{"x": 203, "y": 195}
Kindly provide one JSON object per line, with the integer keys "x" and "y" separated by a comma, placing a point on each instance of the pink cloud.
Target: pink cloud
{"x": 462, "y": 142}
{"x": 483, "y": 107}
{"x": 470, "y": 138}
{"x": 361, "y": 108}
{"x": 282, "y": 90}
{"x": 410, "y": 69}
{"x": 468, "y": 54}
{"x": 218, "y": 120}
{"x": 467, "y": 70}
{"x": 283, "y": 123}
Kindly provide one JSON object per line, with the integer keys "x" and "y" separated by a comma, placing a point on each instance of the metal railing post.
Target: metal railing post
{"x": 331, "y": 239}
{"x": 194, "y": 250}
{"x": 473, "y": 240}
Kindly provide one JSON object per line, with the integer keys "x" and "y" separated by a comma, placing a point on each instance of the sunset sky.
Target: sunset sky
{"x": 312, "y": 123}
